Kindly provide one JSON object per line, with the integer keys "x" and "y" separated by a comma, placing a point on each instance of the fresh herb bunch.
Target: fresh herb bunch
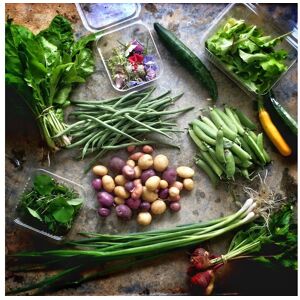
{"x": 131, "y": 65}
{"x": 52, "y": 205}
{"x": 248, "y": 54}
{"x": 43, "y": 68}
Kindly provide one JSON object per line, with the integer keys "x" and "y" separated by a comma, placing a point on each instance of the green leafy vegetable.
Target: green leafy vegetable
{"x": 43, "y": 69}
{"x": 246, "y": 52}
{"x": 51, "y": 206}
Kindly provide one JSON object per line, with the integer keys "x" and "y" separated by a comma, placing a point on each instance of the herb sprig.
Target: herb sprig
{"x": 50, "y": 204}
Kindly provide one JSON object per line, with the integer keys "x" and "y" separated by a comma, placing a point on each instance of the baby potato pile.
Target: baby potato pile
{"x": 145, "y": 184}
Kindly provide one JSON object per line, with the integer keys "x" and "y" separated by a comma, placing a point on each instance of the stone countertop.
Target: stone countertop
{"x": 164, "y": 276}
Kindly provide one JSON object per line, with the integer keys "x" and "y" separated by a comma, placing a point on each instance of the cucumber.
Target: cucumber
{"x": 188, "y": 59}
{"x": 284, "y": 115}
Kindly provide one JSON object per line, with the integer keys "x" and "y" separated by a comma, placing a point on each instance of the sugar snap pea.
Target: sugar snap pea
{"x": 230, "y": 164}
{"x": 255, "y": 148}
{"x": 220, "y": 146}
{"x": 208, "y": 122}
{"x": 196, "y": 140}
{"x": 226, "y": 119}
{"x": 205, "y": 128}
{"x": 233, "y": 119}
{"x": 202, "y": 136}
{"x": 260, "y": 144}
{"x": 245, "y": 120}
{"x": 206, "y": 168}
{"x": 206, "y": 157}
{"x": 231, "y": 135}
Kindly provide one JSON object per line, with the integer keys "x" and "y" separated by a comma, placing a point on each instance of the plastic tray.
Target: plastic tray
{"x": 34, "y": 229}
{"x": 253, "y": 14}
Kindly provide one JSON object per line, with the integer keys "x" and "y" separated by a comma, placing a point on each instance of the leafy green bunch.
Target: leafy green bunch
{"x": 43, "y": 69}
{"x": 249, "y": 54}
{"x": 50, "y": 204}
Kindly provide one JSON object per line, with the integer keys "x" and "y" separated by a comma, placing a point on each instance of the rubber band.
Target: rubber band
{"x": 224, "y": 259}
{"x": 43, "y": 112}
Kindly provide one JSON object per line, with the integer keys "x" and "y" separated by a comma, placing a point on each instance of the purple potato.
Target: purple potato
{"x": 163, "y": 193}
{"x": 123, "y": 212}
{"x": 104, "y": 212}
{"x": 116, "y": 164}
{"x": 147, "y": 174}
{"x": 133, "y": 203}
{"x": 128, "y": 172}
{"x": 97, "y": 184}
{"x": 105, "y": 199}
{"x": 170, "y": 175}
{"x": 145, "y": 206}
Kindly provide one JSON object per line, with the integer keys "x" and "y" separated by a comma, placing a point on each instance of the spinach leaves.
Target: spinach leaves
{"x": 248, "y": 54}
{"x": 51, "y": 204}
{"x": 43, "y": 69}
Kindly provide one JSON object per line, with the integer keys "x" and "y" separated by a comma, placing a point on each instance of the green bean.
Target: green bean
{"x": 202, "y": 136}
{"x": 260, "y": 144}
{"x": 203, "y": 165}
{"x": 211, "y": 163}
{"x": 226, "y": 120}
{"x": 80, "y": 142}
{"x": 238, "y": 125}
{"x": 208, "y": 122}
{"x": 70, "y": 127}
{"x": 231, "y": 135}
{"x": 220, "y": 146}
{"x": 245, "y": 120}
{"x": 230, "y": 164}
{"x": 254, "y": 147}
{"x": 147, "y": 126}
{"x": 205, "y": 128}
{"x": 196, "y": 140}
{"x": 113, "y": 128}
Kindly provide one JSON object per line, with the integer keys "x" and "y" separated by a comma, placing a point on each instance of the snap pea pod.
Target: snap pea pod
{"x": 208, "y": 122}
{"x": 245, "y": 120}
{"x": 245, "y": 173}
{"x": 233, "y": 119}
{"x": 226, "y": 119}
{"x": 212, "y": 153}
{"x": 253, "y": 135}
{"x": 220, "y": 146}
{"x": 230, "y": 164}
{"x": 206, "y": 128}
{"x": 255, "y": 148}
{"x": 260, "y": 144}
{"x": 206, "y": 157}
{"x": 206, "y": 168}
{"x": 242, "y": 154}
{"x": 196, "y": 140}
{"x": 201, "y": 135}
{"x": 231, "y": 135}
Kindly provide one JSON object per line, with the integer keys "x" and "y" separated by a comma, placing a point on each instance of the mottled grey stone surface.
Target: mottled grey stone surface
{"x": 166, "y": 276}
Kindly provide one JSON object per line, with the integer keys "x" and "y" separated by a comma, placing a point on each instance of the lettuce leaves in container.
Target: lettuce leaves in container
{"x": 251, "y": 56}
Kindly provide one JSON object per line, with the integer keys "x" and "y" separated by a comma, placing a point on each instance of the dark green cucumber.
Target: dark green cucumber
{"x": 188, "y": 59}
{"x": 284, "y": 115}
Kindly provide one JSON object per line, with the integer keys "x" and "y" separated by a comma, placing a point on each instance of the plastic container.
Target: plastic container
{"x": 35, "y": 228}
{"x": 119, "y": 23}
{"x": 253, "y": 14}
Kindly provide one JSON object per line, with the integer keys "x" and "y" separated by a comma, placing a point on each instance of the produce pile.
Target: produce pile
{"x": 250, "y": 55}
{"x": 49, "y": 205}
{"x": 131, "y": 65}
{"x": 43, "y": 69}
{"x": 122, "y": 121}
{"x": 227, "y": 144}
{"x": 143, "y": 183}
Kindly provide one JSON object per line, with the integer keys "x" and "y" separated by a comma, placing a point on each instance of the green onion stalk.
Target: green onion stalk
{"x": 77, "y": 259}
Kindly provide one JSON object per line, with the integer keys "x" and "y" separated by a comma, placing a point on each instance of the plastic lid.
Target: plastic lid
{"x": 99, "y": 16}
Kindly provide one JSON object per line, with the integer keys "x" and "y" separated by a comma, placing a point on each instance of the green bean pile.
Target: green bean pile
{"x": 227, "y": 144}
{"x": 111, "y": 124}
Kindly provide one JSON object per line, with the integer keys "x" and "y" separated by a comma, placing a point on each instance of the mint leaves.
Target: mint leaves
{"x": 51, "y": 205}
{"x": 246, "y": 52}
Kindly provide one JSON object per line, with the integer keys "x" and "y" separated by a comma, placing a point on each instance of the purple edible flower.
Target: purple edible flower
{"x": 139, "y": 47}
{"x": 151, "y": 74}
{"x": 133, "y": 83}
{"x": 149, "y": 62}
